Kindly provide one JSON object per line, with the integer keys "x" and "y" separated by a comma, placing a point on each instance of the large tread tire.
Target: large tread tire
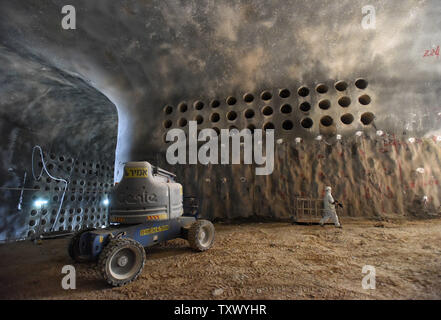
{"x": 108, "y": 254}
{"x": 74, "y": 247}
{"x": 201, "y": 235}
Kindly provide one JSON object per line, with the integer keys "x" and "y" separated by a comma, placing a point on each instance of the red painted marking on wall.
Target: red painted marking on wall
{"x": 401, "y": 171}
{"x": 367, "y": 194}
{"x": 431, "y": 52}
{"x": 389, "y": 193}
{"x": 283, "y": 195}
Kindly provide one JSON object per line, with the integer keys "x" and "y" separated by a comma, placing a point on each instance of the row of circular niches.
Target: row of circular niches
{"x": 61, "y": 220}
{"x": 72, "y": 197}
{"x": 71, "y": 211}
{"x": 90, "y": 186}
{"x": 77, "y": 163}
{"x": 71, "y": 165}
{"x": 266, "y": 96}
{"x": 46, "y": 227}
{"x": 267, "y": 111}
{"x": 307, "y": 123}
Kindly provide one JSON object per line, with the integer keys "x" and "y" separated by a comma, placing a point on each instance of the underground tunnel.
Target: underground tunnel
{"x": 90, "y": 91}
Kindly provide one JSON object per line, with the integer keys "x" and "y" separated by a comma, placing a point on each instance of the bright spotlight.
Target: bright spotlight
{"x": 40, "y": 202}
{"x": 106, "y": 202}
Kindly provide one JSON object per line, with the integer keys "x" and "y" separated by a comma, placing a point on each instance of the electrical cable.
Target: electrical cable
{"x": 50, "y": 176}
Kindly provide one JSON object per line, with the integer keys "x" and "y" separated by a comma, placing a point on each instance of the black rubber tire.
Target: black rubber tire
{"x": 106, "y": 257}
{"x": 194, "y": 234}
{"x": 74, "y": 247}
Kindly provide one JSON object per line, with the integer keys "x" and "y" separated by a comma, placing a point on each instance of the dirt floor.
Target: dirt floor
{"x": 251, "y": 261}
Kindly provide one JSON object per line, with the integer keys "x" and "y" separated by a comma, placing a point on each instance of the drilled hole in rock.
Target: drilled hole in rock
{"x": 167, "y": 124}
{"x": 287, "y": 125}
{"x": 326, "y": 121}
{"x": 168, "y": 109}
{"x": 182, "y": 122}
{"x": 198, "y": 105}
{"x": 249, "y": 113}
{"x": 367, "y": 118}
{"x": 231, "y": 101}
{"x": 284, "y": 93}
{"x": 215, "y": 104}
{"x": 364, "y": 99}
{"x": 267, "y": 111}
{"x": 341, "y": 85}
{"x": 183, "y": 107}
{"x": 305, "y": 106}
{"x": 231, "y": 116}
{"x": 347, "y": 118}
{"x": 199, "y": 119}
{"x": 303, "y": 91}
{"x": 307, "y": 123}
{"x": 215, "y": 117}
{"x": 248, "y": 98}
{"x": 324, "y": 104}
{"x": 344, "y": 102}
{"x": 286, "y": 108}
{"x": 361, "y": 84}
{"x": 268, "y": 126}
{"x": 266, "y": 95}
{"x": 322, "y": 88}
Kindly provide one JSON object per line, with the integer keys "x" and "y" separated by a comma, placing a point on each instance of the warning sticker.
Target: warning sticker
{"x": 145, "y": 232}
{"x": 136, "y": 172}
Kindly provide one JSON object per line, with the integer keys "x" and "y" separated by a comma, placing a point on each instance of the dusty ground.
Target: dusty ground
{"x": 251, "y": 261}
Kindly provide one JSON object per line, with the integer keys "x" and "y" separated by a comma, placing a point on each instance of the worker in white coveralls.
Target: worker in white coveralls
{"x": 329, "y": 205}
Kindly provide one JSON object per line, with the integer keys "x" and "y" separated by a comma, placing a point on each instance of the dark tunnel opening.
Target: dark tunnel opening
{"x": 73, "y": 127}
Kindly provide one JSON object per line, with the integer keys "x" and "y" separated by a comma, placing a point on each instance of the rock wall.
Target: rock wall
{"x": 373, "y": 176}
